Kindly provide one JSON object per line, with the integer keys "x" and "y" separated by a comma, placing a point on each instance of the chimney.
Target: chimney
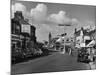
{"x": 18, "y": 15}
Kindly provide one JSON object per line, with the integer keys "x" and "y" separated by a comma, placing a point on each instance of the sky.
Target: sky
{"x": 47, "y": 16}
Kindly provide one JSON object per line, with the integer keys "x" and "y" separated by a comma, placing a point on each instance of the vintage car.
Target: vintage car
{"x": 83, "y": 55}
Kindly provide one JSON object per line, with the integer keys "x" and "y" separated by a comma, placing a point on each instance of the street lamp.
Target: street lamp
{"x": 64, "y": 25}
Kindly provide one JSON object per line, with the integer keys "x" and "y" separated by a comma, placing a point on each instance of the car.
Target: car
{"x": 83, "y": 55}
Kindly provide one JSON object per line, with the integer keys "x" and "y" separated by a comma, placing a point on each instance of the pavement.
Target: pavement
{"x": 52, "y": 63}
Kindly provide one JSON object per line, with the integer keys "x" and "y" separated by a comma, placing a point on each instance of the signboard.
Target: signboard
{"x": 25, "y": 28}
{"x": 82, "y": 44}
{"x": 91, "y": 44}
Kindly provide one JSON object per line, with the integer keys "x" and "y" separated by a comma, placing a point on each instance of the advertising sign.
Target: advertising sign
{"x": 25, "y": 28}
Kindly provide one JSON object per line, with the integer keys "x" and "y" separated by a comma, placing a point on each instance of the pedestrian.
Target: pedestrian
{"x": 70, "y": 51}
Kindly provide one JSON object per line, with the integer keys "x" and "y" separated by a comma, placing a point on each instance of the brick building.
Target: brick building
{"x": 21, "y": 31}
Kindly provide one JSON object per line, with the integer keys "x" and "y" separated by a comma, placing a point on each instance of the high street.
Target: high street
{"x": 51, "y": 63}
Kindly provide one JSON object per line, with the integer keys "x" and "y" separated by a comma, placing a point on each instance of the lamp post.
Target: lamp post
{"x": 64, "y": 25}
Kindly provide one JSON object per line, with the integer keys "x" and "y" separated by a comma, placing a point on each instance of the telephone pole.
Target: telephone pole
{"x": 64, "y": 25}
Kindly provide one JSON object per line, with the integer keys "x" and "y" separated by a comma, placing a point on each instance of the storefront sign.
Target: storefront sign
{"x": 25, "y": 28}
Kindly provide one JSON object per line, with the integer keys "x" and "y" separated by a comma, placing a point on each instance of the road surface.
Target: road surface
{"x": 52, "y": 63}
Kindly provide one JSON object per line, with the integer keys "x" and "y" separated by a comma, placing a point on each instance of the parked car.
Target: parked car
{"x": 83, "y": 55}
{"x": 38, "y": 52}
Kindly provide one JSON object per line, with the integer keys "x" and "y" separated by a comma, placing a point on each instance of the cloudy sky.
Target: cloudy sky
{"x": 46, "y": 16}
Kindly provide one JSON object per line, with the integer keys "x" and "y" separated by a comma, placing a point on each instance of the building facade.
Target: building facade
{"x": 83, "y": 35}
{"x": 21, "y": 31}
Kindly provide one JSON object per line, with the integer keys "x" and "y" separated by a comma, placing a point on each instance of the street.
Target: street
{"x": 52, "y": 63}
{"x": 45, "y": 37}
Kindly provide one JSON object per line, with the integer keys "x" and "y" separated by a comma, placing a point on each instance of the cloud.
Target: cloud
{"x": 36, "y": 15}
{"x": 39, "y": 13}
{"x": 74, "y": 21}
{"x": 18, "y": 7}
{"x": 61, "y": 18}
{"x": 88, "y": 22}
